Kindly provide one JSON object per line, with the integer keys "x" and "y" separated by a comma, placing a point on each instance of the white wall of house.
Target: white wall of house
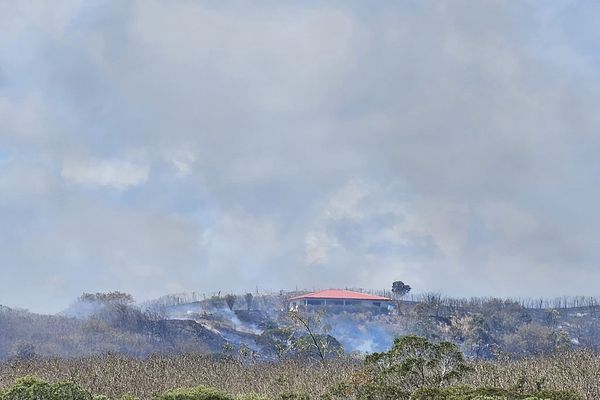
{"x": 295, "y": 304}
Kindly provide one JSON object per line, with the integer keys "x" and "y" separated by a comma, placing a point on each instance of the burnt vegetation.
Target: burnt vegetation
{"x": 426, "y": 347}
{"x": 482, "y": 328}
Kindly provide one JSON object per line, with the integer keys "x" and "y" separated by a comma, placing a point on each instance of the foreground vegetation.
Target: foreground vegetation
{"x": 29, "y": 388}
{"x": 117, "y": 376}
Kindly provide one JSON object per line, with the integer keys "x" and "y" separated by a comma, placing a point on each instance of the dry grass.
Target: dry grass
{"x": 115, "y": 375}
{"x": 577, "y": 370}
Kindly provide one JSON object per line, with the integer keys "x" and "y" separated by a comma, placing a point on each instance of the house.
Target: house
{"x": 340, "y": 298}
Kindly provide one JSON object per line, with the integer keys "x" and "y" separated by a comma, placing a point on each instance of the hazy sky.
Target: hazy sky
{"x": 164, "y": 146}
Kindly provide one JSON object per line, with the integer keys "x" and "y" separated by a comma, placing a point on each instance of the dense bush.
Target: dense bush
{"x": 34, "y": 389}
{"x": 206, "y": 393}
{"x": 467, "y": 393}
{"x": 197, "y": 393}
{"x": 413, "y": 362}
{"x": 29, "y": 388}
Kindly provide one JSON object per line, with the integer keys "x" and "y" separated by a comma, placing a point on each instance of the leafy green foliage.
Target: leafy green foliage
{"x": 251, "y": 396}
{"x": 400, "y": 289}
{"x": 467, "y": 393}
{"x": 310, "y": 336}
{"x": 306, "y": 345}
{"x": 205, "y": 393}
{"x": 29, "y": 388}
{"x": 293, "y": 396}
{"x": 197, "y": 393}
{"x": 414, "y": 362}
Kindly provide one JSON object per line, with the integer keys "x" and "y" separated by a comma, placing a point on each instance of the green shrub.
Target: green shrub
{"x": 467, "y": 393}
{"x": 197, "y": 393}
{"x": 382, "y": 392}
{"x": 364, "y": 385}
{"x": 252, "y": 396}
{"x": 30, "y": 388}
{"x": 293, "y": 396}
{"x": 415, "y": 362}
{"x": 126, "y": 397}
{"x": 558, "y": 395}
{"x": 438, "y": 393}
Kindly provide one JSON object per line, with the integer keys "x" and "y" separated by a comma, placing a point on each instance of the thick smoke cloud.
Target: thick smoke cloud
{"x": 155, "y": 147}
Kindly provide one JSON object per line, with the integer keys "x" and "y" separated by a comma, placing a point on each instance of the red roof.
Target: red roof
{"x": 340, "y": 294}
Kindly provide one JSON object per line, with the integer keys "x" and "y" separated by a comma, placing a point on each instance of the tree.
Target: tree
{"x": 248, "y": 297}
{"x": 33, "y": 388}
{"x": 230, "y": 300}
{"x": 400, "y": 289}
{"x": 314, "y": 338}
{"x": 415, "y": 362}
{"x": 536, "y": 340}
{"x": 474, "y": 332}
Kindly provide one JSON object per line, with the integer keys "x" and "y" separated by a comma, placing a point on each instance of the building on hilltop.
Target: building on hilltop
{"x": 340, "y": 298}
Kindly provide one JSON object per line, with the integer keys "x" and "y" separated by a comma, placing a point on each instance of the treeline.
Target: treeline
{"x": 559, "y": 303}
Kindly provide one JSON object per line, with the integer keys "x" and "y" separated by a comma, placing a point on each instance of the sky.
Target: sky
{"x": 157, "y": 147}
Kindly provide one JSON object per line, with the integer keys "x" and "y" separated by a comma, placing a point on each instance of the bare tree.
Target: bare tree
{"x": 316, "y": 333}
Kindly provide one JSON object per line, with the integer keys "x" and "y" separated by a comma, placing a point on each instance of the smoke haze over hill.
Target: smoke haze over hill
{"x": 157, "y": 147}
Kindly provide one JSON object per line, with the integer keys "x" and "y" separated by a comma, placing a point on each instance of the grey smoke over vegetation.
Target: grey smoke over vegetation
{"x": 483, "y": 328}
{"x": 364, "y": 337}
{"x": 83, "y": 310}
{"x": 157, "y": 147}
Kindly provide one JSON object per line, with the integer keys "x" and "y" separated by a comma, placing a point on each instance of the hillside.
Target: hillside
{"x": 483, "y": 328}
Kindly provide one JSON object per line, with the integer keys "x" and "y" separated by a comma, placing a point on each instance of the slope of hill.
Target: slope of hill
{"x": 483, "y": 328}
